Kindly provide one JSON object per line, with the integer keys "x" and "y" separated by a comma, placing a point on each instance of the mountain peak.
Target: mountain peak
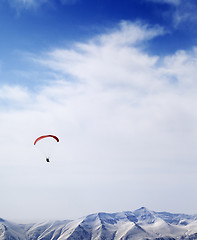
{"x": 145, "y": 215}
{"x": 143, "y": 209}
{"x": 139, "y": 224}
{"x": 2, "y": 220}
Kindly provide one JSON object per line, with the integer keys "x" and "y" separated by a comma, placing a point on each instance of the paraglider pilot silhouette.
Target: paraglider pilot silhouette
{"x": 44, "y": 137}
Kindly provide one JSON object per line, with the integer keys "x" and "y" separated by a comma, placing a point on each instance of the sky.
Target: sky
{"x": 116, "y": 82}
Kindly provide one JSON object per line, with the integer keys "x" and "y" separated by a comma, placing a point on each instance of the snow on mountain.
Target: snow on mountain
{"x": 11, "y": 231}
{"x": 141, "y": 224}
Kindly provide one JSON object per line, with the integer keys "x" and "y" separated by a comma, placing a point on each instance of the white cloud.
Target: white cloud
{"x": 124, "y": 119}
{"x": 174, "y": 2}
{"x": 26, "y": 4}
{"x": 183, "y": 12}
{"x": 15, "y": 93}
{"x": 92, "y": 62}
{"x": 29, "y": 4}
{"x": 130, "y": 34}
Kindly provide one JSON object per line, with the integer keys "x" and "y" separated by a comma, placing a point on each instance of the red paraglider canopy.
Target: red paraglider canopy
{"x": 45, "y": 136}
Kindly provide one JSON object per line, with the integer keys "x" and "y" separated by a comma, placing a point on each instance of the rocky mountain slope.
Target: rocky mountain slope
{"x": 140, "y": 224}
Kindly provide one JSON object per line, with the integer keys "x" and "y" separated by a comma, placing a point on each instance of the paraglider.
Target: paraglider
{"x": 44, "y": 137}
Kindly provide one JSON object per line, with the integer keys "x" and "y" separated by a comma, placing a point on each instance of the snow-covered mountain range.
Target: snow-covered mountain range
{"x": 141, "y": 224}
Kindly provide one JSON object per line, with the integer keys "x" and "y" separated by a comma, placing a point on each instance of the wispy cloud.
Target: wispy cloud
{"x": 26, "y": 4}
{"x": 86, "y": 60}
{"x": 15, "y": 93}
{"x": 183, "y": 12}
{"x": 34, "y": 4}
{"x": 174, "y": 2}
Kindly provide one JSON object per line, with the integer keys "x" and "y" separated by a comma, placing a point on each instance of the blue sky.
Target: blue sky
{"x": 28, "y": 27}
{"x": 116, "y": 82}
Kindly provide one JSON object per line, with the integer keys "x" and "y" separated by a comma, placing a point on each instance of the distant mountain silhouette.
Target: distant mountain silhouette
{"x": 141, "y": 224}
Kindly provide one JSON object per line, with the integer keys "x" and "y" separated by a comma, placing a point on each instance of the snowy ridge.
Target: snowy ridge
{"x": 140, "y": 224}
